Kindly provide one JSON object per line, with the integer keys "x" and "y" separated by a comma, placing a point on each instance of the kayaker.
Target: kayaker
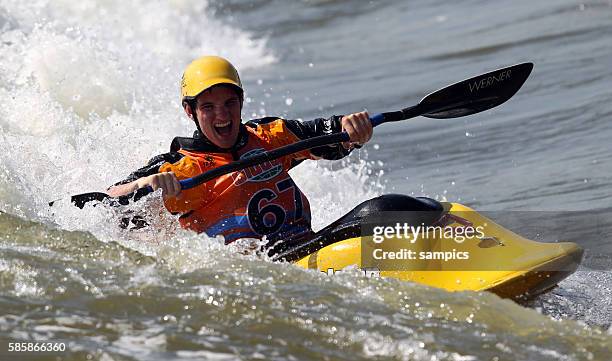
{"x": 259, "y": 201}
{"x": 262, "y": 200}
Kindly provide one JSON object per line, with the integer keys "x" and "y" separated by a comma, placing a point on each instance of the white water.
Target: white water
{"x": 89, "y": 92}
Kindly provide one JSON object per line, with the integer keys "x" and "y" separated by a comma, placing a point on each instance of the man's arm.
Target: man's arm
{"x": 150, "y": 175}
{"x": 167, "y": 181}
{"x": 357, "y": 125}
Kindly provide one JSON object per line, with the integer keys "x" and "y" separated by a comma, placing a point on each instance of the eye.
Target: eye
{"x": 231, "y": 102}
{"x": 207, "y": 107}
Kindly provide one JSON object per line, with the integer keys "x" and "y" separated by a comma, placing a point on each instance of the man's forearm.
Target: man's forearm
{"x": 123, "y": 189}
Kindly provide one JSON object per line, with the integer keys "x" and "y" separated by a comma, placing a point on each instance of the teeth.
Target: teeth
{"x": 222, "y": 125}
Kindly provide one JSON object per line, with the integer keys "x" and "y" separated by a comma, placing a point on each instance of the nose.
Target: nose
{"x": 222, "y": 112}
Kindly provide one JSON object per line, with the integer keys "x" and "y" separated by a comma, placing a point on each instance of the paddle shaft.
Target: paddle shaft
{"x": 296, "y": 147}
{"x": 274, "y": 154}
{"x": 271, "y": 155}
{"x": 463, "y": 98}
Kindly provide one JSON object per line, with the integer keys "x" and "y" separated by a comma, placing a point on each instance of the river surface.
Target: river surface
{"x": 89, "y": 92}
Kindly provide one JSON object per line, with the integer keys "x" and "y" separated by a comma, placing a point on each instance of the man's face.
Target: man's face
{"x": 218, "y": 113}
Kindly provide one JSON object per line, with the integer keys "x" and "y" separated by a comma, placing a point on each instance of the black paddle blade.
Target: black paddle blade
{"x": 476, "y": 94}
{"x": 80, "y": 200}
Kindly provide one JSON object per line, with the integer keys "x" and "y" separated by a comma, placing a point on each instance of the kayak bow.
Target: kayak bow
{"x": 501, "y": 261}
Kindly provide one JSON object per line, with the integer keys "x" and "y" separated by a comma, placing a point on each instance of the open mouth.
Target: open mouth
{"x": 223, "y": 129}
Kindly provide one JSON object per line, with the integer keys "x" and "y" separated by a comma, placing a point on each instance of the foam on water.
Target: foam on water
{"x": 326, "y": 187}
{"x": 97, "y": 294}
{"x": 90, "y": 90}
{"x": 585, "y": 296}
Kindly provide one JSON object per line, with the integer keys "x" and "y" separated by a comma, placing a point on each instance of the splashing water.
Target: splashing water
{"x": 81, "y": 94}
{"x": 89, "y": 92}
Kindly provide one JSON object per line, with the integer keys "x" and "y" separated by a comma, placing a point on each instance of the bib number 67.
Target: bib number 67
{"x": 271, "y": 217}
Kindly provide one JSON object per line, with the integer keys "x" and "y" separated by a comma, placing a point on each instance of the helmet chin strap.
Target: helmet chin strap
{"x": 194, "y": 117}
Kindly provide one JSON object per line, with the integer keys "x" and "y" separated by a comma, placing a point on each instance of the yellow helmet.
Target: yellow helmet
{"x": 206, "y": 72}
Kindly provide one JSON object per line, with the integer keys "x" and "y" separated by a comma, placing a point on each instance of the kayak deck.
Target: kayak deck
{"x": 501, "y": 262}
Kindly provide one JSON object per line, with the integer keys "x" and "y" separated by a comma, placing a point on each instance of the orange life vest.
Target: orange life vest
{"x": 257, "y": 201}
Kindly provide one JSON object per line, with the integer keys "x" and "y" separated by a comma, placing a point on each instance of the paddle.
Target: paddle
{"x": 466, "y": 97}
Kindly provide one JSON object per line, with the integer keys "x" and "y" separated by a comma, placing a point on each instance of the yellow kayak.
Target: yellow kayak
{"x": 496, "y": 260}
